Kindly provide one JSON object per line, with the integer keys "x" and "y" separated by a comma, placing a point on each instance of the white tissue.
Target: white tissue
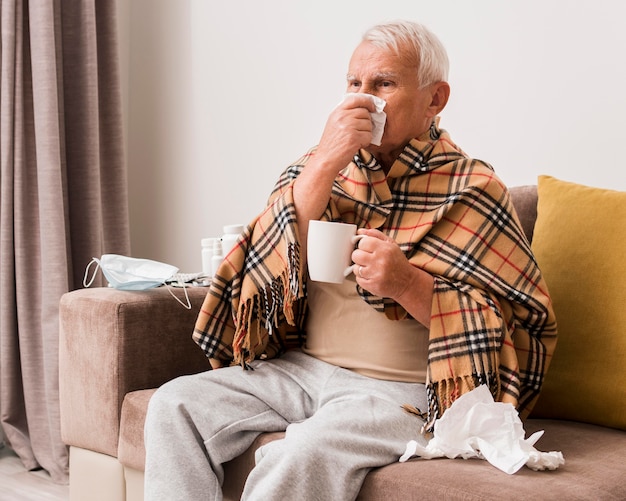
{"x": 477, "y": 427}
{"x": 379, "y": 117}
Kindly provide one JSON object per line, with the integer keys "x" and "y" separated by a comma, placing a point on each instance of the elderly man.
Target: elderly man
{"x": 445, "y": 296}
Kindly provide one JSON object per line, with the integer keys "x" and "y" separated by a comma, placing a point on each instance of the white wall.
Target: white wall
{"x": 222, "y": 96}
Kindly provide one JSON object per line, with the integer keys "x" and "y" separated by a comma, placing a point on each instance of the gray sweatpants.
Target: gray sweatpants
{"x": 338, "y": 425}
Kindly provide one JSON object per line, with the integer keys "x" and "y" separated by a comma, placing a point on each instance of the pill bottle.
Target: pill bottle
{"x": 230, "y": 236}
{"x": 207, "y": 254}
{"x": 218, "y": 255}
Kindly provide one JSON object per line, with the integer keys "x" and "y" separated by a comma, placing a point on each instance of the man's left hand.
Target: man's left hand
{"x": 380, "y": 266}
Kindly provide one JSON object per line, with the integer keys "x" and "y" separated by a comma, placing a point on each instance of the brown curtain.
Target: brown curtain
{"x": 63, "y": 198}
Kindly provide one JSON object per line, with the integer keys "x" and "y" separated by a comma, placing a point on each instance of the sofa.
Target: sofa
{"x": 117, "y": 347}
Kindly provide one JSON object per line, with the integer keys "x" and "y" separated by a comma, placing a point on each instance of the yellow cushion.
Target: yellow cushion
{"x": 580, "y": 245}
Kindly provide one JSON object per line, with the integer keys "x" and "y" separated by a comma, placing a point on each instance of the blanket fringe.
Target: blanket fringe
{"x": 411, "y": 409}
{"x": 257, "y": 319}
{"x": 441, "y": 394}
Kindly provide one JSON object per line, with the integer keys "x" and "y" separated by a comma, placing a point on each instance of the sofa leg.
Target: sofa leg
{"x": 95, "y": 476}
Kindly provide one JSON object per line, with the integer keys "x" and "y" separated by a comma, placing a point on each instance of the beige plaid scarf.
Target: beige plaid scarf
{"x": 492, "y": 320}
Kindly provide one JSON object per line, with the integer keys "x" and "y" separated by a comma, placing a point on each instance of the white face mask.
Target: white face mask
{"x": 133, "y": 274}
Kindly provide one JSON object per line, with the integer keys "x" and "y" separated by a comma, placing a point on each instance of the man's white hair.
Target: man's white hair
{"x": 417, "y": 42}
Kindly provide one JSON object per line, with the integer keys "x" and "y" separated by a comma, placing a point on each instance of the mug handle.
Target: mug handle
{"x": 355, "y": 241}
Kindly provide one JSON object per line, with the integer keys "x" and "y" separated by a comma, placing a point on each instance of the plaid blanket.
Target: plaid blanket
{"x": 492, "y": 320}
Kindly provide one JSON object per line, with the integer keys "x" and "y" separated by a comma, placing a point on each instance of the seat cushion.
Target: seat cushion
{"x": 594, "y": 469}
{"x": 595, "y": 459}
{"x": 131, "y": 450}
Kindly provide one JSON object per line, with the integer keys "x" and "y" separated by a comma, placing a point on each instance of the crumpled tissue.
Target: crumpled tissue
{"x": 379, "y": 117}
{"x": 477, "y": 427}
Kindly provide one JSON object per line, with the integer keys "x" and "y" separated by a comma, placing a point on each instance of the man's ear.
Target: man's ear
{"x": 440, "y": 92}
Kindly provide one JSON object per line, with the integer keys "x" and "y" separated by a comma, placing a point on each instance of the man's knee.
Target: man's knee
{"x": 169, "y": 398}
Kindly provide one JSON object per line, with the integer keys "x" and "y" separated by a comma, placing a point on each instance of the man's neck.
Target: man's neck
{"x": 386, "y": 160}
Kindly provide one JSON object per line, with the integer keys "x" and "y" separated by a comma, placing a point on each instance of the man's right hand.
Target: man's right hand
{"x": 348, "y": 129}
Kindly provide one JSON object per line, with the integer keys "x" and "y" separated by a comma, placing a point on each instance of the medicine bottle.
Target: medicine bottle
{"x": 230, "y": 236}
{"x": 218, "y": 255}
{"x": 207, "y": 254}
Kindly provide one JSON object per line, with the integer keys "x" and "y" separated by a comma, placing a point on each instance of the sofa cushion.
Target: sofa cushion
{"x": 131, "y": 450}
{"x": 580, "y": 245}
{"x": 593, "y": 469}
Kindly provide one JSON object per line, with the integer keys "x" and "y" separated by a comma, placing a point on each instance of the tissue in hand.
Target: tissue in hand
{"x": 477, "y": 427}
{"x": 379, "y": 117}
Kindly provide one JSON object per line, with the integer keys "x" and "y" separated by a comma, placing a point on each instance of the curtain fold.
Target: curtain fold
{"x": 63, "y": 198}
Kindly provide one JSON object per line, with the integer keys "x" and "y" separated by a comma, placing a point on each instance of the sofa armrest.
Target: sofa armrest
{"x": 113, "y": 342}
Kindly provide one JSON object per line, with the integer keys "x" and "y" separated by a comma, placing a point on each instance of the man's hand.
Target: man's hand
{"x": 348, "y": 129}
{"x": 381, "y": 268}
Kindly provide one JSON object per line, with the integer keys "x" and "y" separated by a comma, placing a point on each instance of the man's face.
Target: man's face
{"x": 393, "y": 78}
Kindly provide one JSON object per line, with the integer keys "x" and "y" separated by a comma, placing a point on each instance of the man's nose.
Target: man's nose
{"x": 367, "y": 89}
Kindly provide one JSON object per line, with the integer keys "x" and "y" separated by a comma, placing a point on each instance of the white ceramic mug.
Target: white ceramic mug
{"x": 329, "y": 250}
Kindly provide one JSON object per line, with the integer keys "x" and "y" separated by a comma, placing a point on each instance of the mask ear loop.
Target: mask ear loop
{"x": 93, "y": 277}
{"x": 182, "y": 284}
